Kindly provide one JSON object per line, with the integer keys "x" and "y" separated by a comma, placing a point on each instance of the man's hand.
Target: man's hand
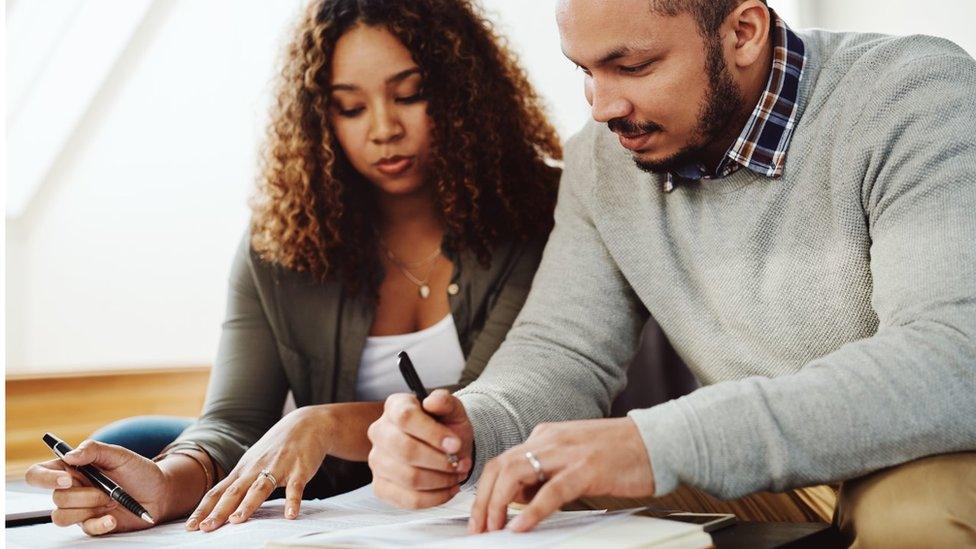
{"x": 599, "y": 457}
{"x": 410, "y": 451}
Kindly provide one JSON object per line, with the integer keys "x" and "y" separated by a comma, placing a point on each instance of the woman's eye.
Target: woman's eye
{"x": 349, "y": 113}
{"x": 410, "y": 98}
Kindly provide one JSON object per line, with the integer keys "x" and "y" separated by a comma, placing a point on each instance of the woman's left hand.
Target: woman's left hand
{"x": 292, "y": 451}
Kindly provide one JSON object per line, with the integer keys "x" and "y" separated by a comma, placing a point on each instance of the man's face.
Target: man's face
{"x": 663, "y": 89}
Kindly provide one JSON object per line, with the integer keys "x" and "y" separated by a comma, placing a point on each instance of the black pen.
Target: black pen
{"x": 413, "y": 381}
{"x": 99, "y": 480}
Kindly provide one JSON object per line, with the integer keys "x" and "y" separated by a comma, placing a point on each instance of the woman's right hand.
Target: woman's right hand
{"x": 78, "y": 502}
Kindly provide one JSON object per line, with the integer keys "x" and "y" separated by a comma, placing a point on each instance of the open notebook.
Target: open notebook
{"x": 359, "y": 519}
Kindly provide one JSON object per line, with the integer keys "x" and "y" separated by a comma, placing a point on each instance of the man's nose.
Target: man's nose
{"x": 606, "y": 101}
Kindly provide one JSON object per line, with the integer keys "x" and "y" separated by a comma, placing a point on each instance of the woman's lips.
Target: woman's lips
{"x": 637, "y": 142}
{"x": 395, "y": 165}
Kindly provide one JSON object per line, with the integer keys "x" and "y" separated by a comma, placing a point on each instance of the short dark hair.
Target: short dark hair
{"x": 709, "y": 14}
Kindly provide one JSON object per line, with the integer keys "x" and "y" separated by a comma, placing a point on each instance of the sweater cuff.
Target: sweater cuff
{"x": 494, "y": 430}
{"x": 670, "y": 439}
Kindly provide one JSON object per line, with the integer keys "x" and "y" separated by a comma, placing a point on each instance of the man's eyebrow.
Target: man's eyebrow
{"x": 612, "y": 55}
{"x": 398, "y": 77}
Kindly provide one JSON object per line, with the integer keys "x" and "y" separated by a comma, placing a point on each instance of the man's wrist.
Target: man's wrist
{"x": 474, "y": 457}
{"x": 638, "y": 448}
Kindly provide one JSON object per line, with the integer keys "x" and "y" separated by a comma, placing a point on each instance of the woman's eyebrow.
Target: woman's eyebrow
{"x": 398, "y": 77}
{"x": 402, "y": 75}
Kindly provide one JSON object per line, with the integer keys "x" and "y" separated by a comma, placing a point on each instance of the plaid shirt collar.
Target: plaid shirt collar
{"x": 764, "y": 140}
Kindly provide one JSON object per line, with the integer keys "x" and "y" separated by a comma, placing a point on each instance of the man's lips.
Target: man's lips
{"x": 635, "y": 142}
{"x": 394, "y": 165}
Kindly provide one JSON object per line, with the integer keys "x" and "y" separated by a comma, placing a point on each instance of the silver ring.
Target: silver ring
{"x": 267, "y": 474}
{"x": 540, "y": 475}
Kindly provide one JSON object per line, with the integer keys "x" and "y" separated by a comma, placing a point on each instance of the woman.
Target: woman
{"x": 404, "y": 203}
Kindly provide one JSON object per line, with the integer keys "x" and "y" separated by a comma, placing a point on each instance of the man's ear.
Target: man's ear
{"x": 749, "y": 25}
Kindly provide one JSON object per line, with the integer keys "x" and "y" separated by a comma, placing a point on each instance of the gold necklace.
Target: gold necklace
{"x": 414, "y": 264}
{"x": 423, "y": 284}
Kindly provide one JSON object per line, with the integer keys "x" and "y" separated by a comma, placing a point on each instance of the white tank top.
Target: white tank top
{"x": 434, "y": 351}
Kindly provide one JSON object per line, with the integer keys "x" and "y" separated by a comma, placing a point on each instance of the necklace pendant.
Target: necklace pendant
{"x": 424, "y": 291}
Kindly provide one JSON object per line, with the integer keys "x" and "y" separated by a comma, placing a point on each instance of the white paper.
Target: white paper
{"x": 453, "y": 532}
{"x": 27, "y": 504}
{"x": 360, "y": 519}
{"x": 352, "y": 510}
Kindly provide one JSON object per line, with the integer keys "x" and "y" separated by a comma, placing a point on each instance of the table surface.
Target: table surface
{"x": 762, "y": 535}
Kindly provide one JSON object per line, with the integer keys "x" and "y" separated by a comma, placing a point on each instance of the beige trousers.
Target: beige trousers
{"x": 929, "y": 502}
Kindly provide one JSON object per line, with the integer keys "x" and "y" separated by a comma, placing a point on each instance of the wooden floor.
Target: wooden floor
{"x": 74, "y": 405}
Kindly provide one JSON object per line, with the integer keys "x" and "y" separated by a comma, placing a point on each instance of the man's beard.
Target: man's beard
{"x": 720, "y": 109}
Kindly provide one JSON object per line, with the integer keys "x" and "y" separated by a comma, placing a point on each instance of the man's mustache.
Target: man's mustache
{"x": 627, "y": 128}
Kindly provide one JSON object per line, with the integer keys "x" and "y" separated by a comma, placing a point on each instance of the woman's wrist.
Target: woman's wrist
{"x": 343, "y": 426}
{"x": 184, "y": 484}
{"x": 325, "y": 418}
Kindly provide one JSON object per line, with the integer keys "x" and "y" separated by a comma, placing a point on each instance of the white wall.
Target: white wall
{"x": 121, "y": 257}
{"x": 952, "y": 19}
{"x": 531, "y": 29}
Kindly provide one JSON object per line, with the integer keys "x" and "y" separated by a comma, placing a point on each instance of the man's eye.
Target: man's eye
{"x": 635, "y": 68}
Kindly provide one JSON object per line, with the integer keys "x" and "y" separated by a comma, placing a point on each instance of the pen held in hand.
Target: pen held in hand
{"x": 98, "y": 479}
{"x": 409, "y": 374}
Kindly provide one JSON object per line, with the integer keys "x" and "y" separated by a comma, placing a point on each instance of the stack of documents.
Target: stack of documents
{"x": 359, "y": 519}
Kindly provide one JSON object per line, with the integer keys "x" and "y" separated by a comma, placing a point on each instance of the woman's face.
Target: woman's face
{"x": 377, "y": 109}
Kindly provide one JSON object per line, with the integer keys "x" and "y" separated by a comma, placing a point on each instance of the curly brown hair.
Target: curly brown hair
{"x": 491, "y": 160}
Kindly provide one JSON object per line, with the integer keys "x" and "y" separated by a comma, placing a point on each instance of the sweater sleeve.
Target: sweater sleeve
{"x": 566, "y": 354}
{"x": 247, "y": 386}
{"x": 909, "y": 390}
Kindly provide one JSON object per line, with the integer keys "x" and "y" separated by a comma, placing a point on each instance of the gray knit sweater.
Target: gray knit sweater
{"x": 830, "y": 314}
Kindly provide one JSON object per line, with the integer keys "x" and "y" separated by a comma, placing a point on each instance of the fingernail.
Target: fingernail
{"x": 451, "y": 444}
{"x": 207, "y": 523}
{"x": 471, "y": 525}
{"x": 64, "y": 481}
{"x": 191, "y": 524}
{"x": 517, "y": 523}
{"x": 109, "y": 522}
{"x": 291, "y": 512}
{"x": 236, "y": 515}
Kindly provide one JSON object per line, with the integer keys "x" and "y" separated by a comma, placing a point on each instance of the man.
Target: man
{"x": 798, "y": 213}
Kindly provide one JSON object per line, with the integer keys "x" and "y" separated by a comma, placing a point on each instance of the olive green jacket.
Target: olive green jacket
{"x": 284, "y": 331}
